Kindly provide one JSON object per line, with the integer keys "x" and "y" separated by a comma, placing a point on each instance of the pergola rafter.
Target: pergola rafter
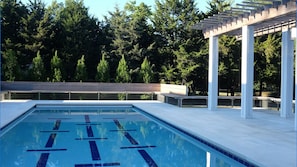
{"x": 262, "y": 15}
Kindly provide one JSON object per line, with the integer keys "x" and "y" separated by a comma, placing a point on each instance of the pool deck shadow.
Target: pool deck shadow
{"x": 266, "y": 140}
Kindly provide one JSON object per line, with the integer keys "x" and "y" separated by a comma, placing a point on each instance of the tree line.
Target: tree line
{"x": 140, "y": 43}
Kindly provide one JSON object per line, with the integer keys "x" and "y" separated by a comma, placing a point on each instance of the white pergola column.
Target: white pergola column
{"x": 247, "y": 71}
{"x": 287, "y": 59}
{"x": 296, "y": 78}
{"x": 213, "y": 73}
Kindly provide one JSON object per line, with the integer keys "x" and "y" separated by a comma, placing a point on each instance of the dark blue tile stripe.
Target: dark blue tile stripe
{"x": 112, "y": 164}
{"x": 51, "y": 140}
{"x": 57, "y": 125}
{"x": 118, "y": 124}
{"x": 59, "y": 149}
{"x": 90, "y": 124}
{"x": 126, "y": 134}
{"x": 92, "y": 138}
{"x": 87, "y": 119}
{"x": 84, "y": 165}
{"x": 130, "y": 138}
{"x": 59, "y": 118}
{"x": 122, "y": 130}
{"x": 42, "y": 160}
{"x": 132, "y": 147}
{"x": 94, "y": 150}
{"x": 147, "y": 158}
{"x": 113, "y": 118}
{"x": 48, "y": 131}
{"x": 90, "y": 131}
{"x": 104, "y": 164}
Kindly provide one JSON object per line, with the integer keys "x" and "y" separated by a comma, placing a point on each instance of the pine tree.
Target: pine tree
{"x": 81, "y": 71}
{"x": 11, "y": 13}
{"x": 103, "y": 70}
{"x": 80, "y": 37}
{"x": 146, "y": 71}
{"x": 185, "y": 65}
{"x": 123, "y": 75}
{"x": 131, "y": 35}
{"x": 36, "y": 31}
{"x": 10, "y": 65}
{"x": 37, "y": 71}
{"x": 56, "y": 65}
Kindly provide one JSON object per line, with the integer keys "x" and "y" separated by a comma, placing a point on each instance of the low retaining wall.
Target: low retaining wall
{"x": 72, "y": 88}
{"x": 80, "y": 86}
{"x": 174, "y": 89}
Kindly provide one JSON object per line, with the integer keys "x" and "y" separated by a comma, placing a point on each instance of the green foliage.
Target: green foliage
{"x": 37, "y": 71}
{"x": 81, "y": 71}
{"x": 80, "y": 37}
{"x": 36, "y": 30}
{"x": 56, "y": 65}
{"x": 146, "y": 71}
{"x": 185, "y": 65}
{"x": 229, "y": 58}
{"x": 122, "y": 96}
{"x": 57, "y": 76}
{"x": 123, "y": 75}
{"x": 267, "y": 61}
{"x": 56, "y": 61}
{"x": 146, "y": 97}
{"x": 216, "y": 6}
{"x": 103, "y": 70}
{"x": 10, "y": 66}
{"x": 169, "y": 74}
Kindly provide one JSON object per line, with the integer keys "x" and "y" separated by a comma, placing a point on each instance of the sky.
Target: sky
{"x": 100, "y": 8}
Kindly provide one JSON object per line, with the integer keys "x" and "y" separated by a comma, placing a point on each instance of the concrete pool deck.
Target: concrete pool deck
{"x": 266, "y": 140}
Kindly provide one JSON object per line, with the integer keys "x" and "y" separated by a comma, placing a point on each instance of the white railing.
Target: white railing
{"x": 79, "y": 95}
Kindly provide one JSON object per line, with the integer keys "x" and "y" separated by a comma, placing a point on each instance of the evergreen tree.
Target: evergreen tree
{"x": 119, "y": 37}
{"x": 57, "y": 76}
{"x": 216, "y": 6}
{"x": 140, "y": 32}
{"x": 229, "y": 63}
{"x": 146, "y": 71}
{"x": 131, "y": 35}
{"x": 103, "y": 70}
{"x": 80, "y": 37}
{"x": 11, "y": 13}
{"x": 173, "y": 21}
{"x": 267, "y": 62}
{"x": 37, "y": 71}
{"x": 168, "y": 74}
{"x": 56, "y": 66}
{"x": 186, "y": 64}
{"x": 10, "y": 65}
{"x": 36, "y": 31}
{"x": 122, "y": 75}
{"x": 81, "y": 71}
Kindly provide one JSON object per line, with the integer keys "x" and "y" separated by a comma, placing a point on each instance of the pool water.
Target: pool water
{"x": 101, "y": 136}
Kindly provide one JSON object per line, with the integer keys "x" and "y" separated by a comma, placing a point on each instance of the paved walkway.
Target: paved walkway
{"x": 266, "y": 140}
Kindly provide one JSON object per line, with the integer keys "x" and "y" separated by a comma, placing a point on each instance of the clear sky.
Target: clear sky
{"x": 99, "y": 8}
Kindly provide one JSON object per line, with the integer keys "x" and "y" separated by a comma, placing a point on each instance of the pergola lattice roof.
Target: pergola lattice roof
{"x": 267, "y": 16}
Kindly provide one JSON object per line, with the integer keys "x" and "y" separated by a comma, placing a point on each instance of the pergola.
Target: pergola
{"x": 247, "y": 20}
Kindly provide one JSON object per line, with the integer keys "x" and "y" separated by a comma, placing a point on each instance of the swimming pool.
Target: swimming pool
{"x": 86, "y": 136}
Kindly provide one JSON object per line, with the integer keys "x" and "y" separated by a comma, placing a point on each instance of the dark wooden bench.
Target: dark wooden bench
{"x": 180, "y": 98}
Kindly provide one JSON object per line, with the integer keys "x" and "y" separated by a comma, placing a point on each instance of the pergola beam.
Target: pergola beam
{"x": 283, "y": 12}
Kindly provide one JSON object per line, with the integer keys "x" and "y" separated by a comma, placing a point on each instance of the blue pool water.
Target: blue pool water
{"x": 80, "y": 136}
